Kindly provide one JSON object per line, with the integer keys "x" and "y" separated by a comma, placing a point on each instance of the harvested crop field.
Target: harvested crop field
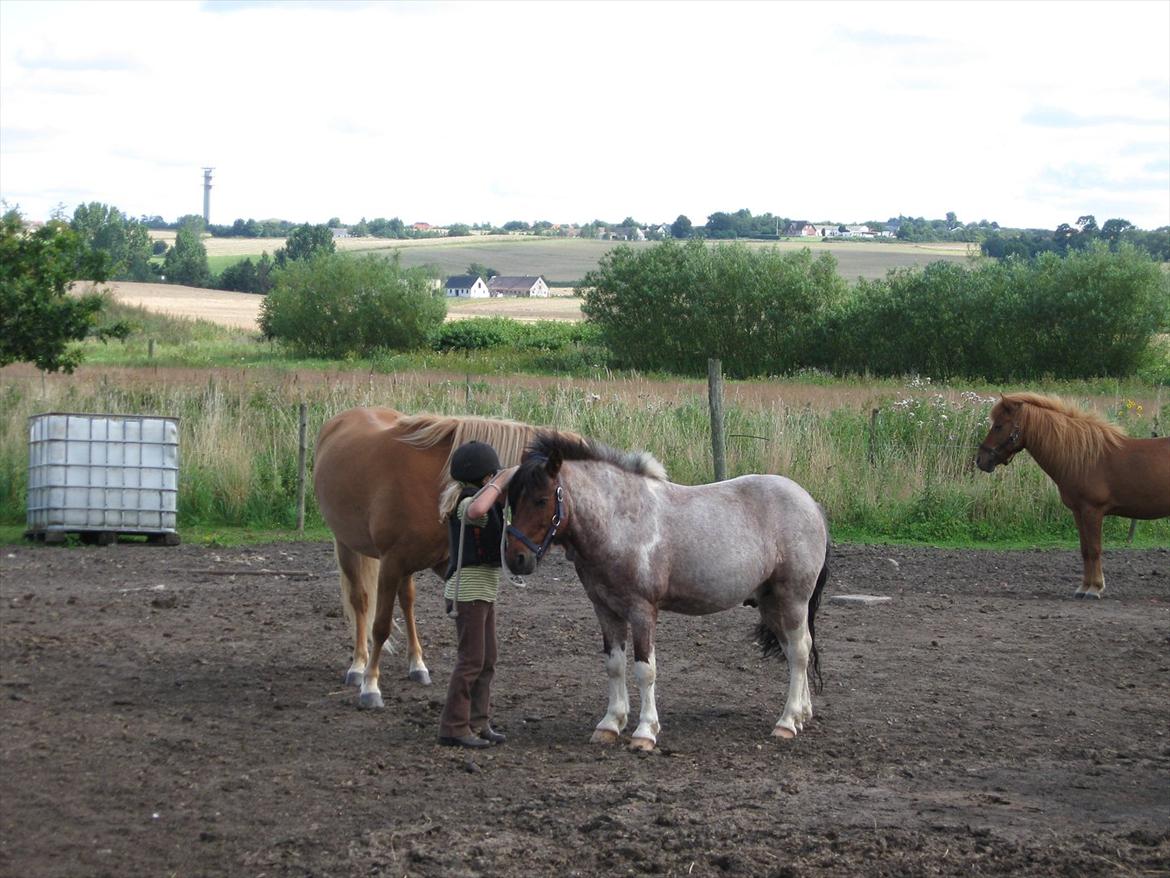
{"x": 179, "y": 711}
{"x": 241, "y": 310}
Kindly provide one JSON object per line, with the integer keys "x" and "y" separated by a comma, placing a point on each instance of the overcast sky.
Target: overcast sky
{"x": 1029, "y": 114}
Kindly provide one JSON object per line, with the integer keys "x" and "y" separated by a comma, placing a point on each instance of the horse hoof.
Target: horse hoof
{"x": 783, "y": 733}
{"x": 643, "y": 744}
{"x": 353, "y": 678}
{"x": 422, "y": 677}
{"x": 1077, "y": 595}
{"x": 604, "y": 736}
{"x": 370, "y": 701}
{"x": 1095, "y": 595}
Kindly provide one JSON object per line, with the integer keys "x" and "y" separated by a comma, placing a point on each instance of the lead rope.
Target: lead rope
{"x": 459, "y": 555}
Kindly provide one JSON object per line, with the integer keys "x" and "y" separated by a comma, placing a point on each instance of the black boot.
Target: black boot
{"x": 469, "y": 741}
{"x": 490, "y": 735}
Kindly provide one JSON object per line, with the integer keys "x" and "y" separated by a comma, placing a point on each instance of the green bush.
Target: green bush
{"x": 1091, "y": 313}
{"x": 339, "y": 306}
{"x": 673, "y": 306}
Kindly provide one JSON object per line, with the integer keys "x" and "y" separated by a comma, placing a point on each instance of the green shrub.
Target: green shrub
{"x": 673, "y": 306}
{"x": 335, "y": 305}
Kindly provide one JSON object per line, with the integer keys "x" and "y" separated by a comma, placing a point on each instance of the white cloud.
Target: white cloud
{"x": 569, "y": 111}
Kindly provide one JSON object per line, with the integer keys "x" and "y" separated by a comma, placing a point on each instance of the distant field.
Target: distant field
{"x": 240, "y": 310}
{"x": 564, "y": 261}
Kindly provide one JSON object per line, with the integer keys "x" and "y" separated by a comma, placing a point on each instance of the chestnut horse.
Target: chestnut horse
{"x": 1098, "y": 469}
{"x": 641, "y": 544}
{"x": 378, "y": 474}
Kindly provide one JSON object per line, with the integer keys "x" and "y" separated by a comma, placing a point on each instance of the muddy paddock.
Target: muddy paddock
{"x": 179, "y": 711}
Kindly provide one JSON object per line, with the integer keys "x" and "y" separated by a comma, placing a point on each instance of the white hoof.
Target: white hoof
{"x": 422, "y": 677}
{"x": 604, "y": 736}
{"x": 783, "y": 732}
{"x": 354, "y": 678}
{"x": 643, "y": 744}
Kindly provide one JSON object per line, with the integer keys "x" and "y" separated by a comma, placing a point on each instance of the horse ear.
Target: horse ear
{"x": 553, "y": 466}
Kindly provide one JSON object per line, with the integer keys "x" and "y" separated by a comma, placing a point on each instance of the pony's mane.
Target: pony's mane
{"x": 572, "y": 447}
{"x": 508, "y": 438}
{"x": 1071, "y": 438}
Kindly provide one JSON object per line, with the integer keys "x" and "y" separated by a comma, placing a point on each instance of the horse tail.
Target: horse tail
{"x": 769, "y": 641}
{"x": 814, "y": 604}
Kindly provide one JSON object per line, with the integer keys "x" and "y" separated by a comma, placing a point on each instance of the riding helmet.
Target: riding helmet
{"x": 472, "y": 461}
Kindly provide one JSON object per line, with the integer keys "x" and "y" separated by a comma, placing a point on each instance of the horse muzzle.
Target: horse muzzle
{"x": 521, "y": 562}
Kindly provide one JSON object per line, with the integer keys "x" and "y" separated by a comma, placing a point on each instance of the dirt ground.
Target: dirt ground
{"x": 179, "y": 711}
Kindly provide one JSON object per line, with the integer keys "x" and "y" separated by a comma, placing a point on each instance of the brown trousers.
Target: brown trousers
{"x": 469, "y": 693}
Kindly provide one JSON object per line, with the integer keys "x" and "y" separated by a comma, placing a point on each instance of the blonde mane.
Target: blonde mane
{"x": 1070, "y": 439}
{"x": 508, "y": 438}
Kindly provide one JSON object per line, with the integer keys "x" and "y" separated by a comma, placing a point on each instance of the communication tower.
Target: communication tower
{"x": 207, "y": 195}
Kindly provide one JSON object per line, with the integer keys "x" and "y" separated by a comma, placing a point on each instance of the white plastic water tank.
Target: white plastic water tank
{"x": 109, "y": 474}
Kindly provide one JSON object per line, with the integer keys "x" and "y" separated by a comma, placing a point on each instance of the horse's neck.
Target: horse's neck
{"x": 1050, "y": 458}
{"x": 591, "y": 492}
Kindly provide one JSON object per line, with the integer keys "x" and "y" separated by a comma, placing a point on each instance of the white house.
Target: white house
{"x": 524, "y": 286}
{"x": 467, "y": 286}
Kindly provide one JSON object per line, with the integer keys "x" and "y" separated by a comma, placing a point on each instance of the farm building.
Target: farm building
{"x": 524, "y": 286}
{"x": 800, "y": 229}
{"x": 467, "y": 286}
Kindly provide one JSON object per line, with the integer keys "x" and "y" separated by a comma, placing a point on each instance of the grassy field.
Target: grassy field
{"x": 564, "y": 261}
{"x": 891, "y": 461}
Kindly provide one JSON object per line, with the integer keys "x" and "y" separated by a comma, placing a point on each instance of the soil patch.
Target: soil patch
{"x": 180, "y": 711}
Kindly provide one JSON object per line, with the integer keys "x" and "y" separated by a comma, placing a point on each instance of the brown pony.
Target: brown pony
{"x": 378, "y": 475}
{"x": 1098, "y": 469}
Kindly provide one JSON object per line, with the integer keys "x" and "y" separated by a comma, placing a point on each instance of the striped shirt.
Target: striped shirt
{"x": 477, "y": 582}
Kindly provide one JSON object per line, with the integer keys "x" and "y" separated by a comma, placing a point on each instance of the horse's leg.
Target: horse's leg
{"x": 642, "y": 623}
{"x": 1089, "y": 527}
{"x": 613, "y": 638}
{"x": 358, "y": 574}
{"x": 388, "y": 585}
{"x": 418, "y": 670}
{"x": 787, "y": 616}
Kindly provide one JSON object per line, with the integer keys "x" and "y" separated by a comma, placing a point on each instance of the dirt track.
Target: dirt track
{"x": 165, "y": 714}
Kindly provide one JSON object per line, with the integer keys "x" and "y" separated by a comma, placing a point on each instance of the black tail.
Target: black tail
{"x": 770, "y": 643}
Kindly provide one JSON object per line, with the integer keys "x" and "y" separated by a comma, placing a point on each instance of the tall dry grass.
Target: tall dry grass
{"x": 890, "y": 465}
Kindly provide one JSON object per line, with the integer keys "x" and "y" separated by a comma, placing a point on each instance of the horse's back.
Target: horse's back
{"x": 376, "y": 493}
{"x": 1139, "y": 479}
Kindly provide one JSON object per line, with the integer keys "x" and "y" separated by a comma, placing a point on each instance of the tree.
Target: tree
{"x": 338, "y": 306}
{"x": 674, "y": 305}
{"x": 39, "y": 320}
{"x": 681, "y": 227}
{"x": 1113, "y": 230}
{"x": 458, "y": 230}
{"x": 247, "y": 276}
{"x": 186, "y": 261}
{"x": 481, "y": 270}
{"x": 306, "y": 242}
{"x": 126, "y": 242}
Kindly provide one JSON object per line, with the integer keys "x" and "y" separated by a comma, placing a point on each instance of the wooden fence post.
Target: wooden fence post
{"x": 715, "y": 399}
{"x": 302, "y": 453}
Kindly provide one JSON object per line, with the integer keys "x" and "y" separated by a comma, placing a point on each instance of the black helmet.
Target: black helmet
{"x": 472, "y": 461}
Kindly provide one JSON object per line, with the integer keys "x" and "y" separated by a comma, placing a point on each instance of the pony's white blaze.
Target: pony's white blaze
{"x": 641, "y": 544}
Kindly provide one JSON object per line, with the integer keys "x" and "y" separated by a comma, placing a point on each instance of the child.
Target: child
{"x": 473, "y": 504}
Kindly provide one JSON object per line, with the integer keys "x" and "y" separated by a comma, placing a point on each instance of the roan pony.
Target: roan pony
{"x": 378, "y": 474}
{"x": 1098, "y": 469}
{"x": 642, "y": 544}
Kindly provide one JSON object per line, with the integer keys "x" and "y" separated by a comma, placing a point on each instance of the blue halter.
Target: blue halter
{"x": 558, "y": 513}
